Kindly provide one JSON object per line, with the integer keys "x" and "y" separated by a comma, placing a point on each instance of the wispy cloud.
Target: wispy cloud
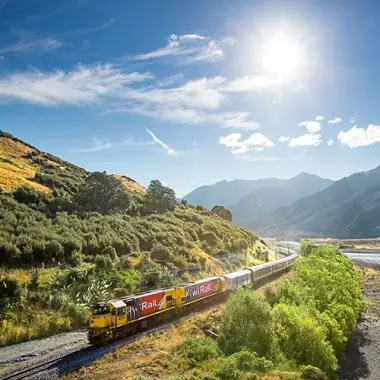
{"x": 80, "y": 32}
{"x": 352, "y": 120}
{"x": 26, "y": 44}
{"x": 97, "y": 146}
{"x": 330, "y": 142}
{"x": 169, "y": 151}
{"x": 189, "y": 48}
{"x": 319, "y": 118}
{"x": 357, "y": 137}
{"x": 253, "y": 83}
{"x": 257, "y": 142}
{"x": 85, "y": 85}
{"x": 307, "y": 139}
{"x": 336, "y": 120}
{"x": 197, "y": 101}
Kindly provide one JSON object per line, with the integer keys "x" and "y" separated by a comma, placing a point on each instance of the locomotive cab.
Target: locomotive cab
{"x": 100, "y": 316}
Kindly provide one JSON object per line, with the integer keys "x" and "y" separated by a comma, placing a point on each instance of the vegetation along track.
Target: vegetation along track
{"x": 62, "y": 365}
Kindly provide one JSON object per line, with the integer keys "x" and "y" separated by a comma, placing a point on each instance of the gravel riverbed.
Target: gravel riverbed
{"x": 361, "y": 359}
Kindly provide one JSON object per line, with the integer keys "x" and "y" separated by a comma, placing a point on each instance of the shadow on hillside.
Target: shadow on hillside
{"x": 353, "y": 364}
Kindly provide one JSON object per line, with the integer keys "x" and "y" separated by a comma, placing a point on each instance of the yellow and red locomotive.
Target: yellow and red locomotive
{"x": 124, "y": 316}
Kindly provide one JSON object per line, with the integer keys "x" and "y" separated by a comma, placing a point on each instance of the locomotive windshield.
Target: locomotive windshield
{"x": 99, "y": 310}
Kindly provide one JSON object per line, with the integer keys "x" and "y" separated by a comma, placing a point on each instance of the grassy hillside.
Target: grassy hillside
{"x": 69, "y": 238}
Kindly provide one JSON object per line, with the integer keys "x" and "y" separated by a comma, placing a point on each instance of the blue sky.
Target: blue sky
{"x": 195, "y": 92}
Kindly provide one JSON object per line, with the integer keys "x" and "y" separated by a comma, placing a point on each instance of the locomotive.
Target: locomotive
{"x": 125, "y": 316}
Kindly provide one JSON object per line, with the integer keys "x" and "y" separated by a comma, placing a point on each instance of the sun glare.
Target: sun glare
{"x": 281, "y": 56}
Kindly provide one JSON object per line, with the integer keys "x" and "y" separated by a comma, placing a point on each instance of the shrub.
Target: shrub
{"x": 302, "y": 339}
{"x": 246, "y": 323}
{"x": 312, "y": 373}
{"x": 228, "y": 370}
{"x": 249, "y": 361}
{"x": 198, "y": 349}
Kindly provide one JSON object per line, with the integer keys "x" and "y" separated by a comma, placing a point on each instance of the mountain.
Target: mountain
{"x": 226, "y": 193}
{"x": 255, "y": 209}
{"x": 349, "y": 208}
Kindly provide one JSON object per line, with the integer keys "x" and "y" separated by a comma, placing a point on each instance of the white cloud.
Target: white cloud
{"x": 253, "y": 83}
{"x": 189, "y": 48}
{"x": 97, "y": 146}
{"x": 196, "y": 101}
{"x": 169, "y": 151}
{"x": 283, "y": 139}
{"x": 336, "y": 120}
{"x": 352, "y": 120}
{"x": 257, "y": 142}
{"x": 356, "y": 137}
{"x": 311, "y": 126}
{"x": 26, "y": 45}
{"x": 319, "y": 118}
{"x": 307, "y": 139}
{"x": 83, "y": 86}
{"x": 330, "y": 142}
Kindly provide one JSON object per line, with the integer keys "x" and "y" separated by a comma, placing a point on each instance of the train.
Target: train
{"x": 119, "y": 318}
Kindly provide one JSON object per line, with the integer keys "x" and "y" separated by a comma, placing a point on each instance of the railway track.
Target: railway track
{"x": 60, "y": 366}
{"x": 55, "y": 368}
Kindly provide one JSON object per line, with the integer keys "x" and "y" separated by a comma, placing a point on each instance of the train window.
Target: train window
{"x": 169, "y": 298}
{"x": 99, "y": 310}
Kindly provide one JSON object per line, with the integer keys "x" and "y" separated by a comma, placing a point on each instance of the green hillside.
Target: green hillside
{"x": 69, "y": 238}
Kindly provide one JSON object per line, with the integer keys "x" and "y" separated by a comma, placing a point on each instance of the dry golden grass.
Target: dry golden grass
{"x": 130, "y": 184}
{"x": 15, "y": 170}
{"x": 152, "y": 356}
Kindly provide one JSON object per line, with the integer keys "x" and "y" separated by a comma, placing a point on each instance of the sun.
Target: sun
{"x": 281, "y": 56}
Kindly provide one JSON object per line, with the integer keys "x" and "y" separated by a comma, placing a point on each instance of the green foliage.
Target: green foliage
{"x": 301, "y": 338}
{"x": 249, "y": 361}
{"x": 222, "y": 212}
{"x": 307, "y": 247}
{"x": 228, "y": 370}
{"x": 198, "y": 349}
{"x": 312, "y": 373}
{"x": 102, "y": 193}
{"x": 246, "y": 323}
{"x": 159, "y": 198}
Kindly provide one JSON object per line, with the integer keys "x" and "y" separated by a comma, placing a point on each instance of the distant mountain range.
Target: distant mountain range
{"x": 305, "y": 205}
{"x": 253, "y": 201}
{"x": 349, "y": 208}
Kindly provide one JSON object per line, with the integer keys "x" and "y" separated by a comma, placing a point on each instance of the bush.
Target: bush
{"x": 312, "y": 373}
{"x": 228, "y": 370}
{"x": 249, "y": 361}
{"x": 246, "y": 323}
{"x": 198, "y": 349}
{"x": 302, "y": 339}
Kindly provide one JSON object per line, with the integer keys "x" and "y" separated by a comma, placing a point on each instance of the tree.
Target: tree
{"x": 307, "y": 247}
{"x": 247, "y": 323}
{"x": 102, "y": 193}
{"x": 222, "y": 212}
{"x": 160, "y": 198}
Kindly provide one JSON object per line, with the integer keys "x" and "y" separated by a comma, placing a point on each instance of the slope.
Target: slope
{"x": 255, "y": 209}
{"x": 348, "y": 208}
{"x": 226, "y": 193}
